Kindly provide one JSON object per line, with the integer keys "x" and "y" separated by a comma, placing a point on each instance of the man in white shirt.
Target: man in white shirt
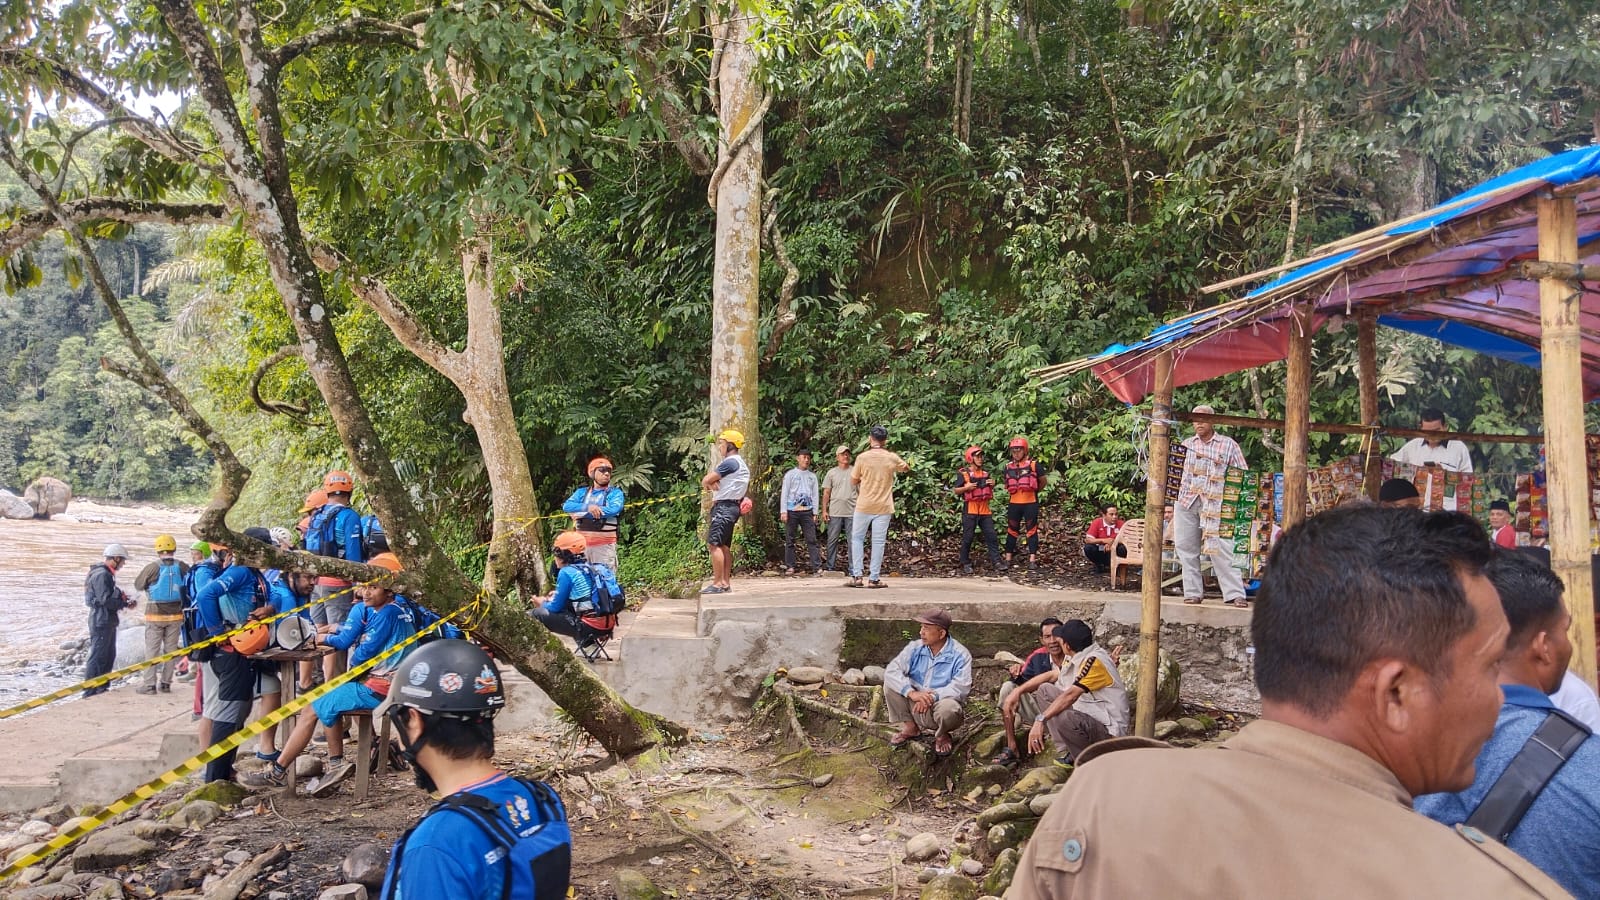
{"x": 1451, "y": 456}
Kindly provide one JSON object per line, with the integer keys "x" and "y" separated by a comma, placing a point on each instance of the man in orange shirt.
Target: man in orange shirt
{"x": 973, "y": 486}
{"x": 873, "y": 477}
{"x": 1023, "y": 481}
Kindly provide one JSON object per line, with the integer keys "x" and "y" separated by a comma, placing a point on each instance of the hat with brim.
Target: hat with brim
{"x": 937, "y": 617}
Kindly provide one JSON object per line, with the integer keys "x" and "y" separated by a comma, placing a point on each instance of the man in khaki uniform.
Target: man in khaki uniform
{"x": 1377, "y": 643}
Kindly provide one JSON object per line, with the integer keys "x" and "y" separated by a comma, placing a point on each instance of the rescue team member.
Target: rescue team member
{"x": 285, "y": 591}
{"x": 229, "y": 682}
{"x": 1377, "y": 643}
{"x": 374, "y": 635}
{"x": 1023, "y": 482}
{"x": 335, "y": 530}
{"x": 104, "y": 599}
{"x": 162, "y": 583}
{"x": 596, "y": 511}
{"x": 729, "y": 482}
{"x": 492, "y": 836}
{"x": 973, "y": 486}
{"x": 572, "y": 586}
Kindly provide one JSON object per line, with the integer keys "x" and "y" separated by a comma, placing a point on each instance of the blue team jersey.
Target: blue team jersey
{"x": 450, "y": 855}
{"x": 373, "y": 633}
{"x": 572, "y": 586}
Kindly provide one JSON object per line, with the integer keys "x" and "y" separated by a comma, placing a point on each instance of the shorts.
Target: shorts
{"x": 267, "y": 679}
{"x": 332, "y": 611}
{"x": 348, "y": 697}
{"x": 227, "y": 687}
{"x": 724, "y": 515}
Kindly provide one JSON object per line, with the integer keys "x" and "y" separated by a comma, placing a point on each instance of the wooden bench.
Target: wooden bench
{"x": 364, "y": 746}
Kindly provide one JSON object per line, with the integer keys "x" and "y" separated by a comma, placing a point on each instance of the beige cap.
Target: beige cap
{"x": 840, "y": 449}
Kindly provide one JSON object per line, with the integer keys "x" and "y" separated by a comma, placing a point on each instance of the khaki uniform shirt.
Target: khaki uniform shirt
{"x": 1276, "y": 813}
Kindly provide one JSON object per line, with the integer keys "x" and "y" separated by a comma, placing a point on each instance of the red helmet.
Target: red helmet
{"x": 338, "y": 482}
{"x": 596, "y": 463}
{"x": 972, "y": 451}
{"x": 1018, "y": 441}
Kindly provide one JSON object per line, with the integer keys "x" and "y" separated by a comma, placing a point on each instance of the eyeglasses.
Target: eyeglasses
{"x": 602, "y": 468}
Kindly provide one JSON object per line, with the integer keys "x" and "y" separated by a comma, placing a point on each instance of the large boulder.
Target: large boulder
{"x": 130, "y": 641}
{"x": 14, "y": 507}
{"x": 48, "y": 496}
{"x": 1168, "y": 682}
{"x": 111, "y": 847}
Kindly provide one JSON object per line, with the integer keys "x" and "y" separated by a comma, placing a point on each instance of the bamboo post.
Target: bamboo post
{"x": 1367, "y": 374}
{"x": 1155, "y": 502}
{"x": 1566, "y": 469}
{"x": 1297, "y": 419}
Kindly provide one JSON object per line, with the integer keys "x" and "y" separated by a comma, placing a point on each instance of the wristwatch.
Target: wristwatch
{"x": 1039, "y": 719}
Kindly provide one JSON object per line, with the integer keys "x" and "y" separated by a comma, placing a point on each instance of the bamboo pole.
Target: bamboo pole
{"x": 1367, "y": 373}
{"x": 1155, "y": 501}
{"x": 1566, "y": 469}
{"x": 1296, "y": 417}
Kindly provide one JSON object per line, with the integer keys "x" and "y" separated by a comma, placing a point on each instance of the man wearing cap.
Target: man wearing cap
{"x": 164, "y": 586}
{"x": 873, "y": 478}
{"x": 729, "y": 482}
{"x": 1314, "y": 798}
{"x": 926, "y": 686}
{"x": 797, "y": 508}
{"x": 596, "y": 511}
{"x": 838, "y": 504}
{"x": 1199, "y": 513}
{"x": 1500, "y": 527}
{"x": 1093, "y": 706}
{"x": 1399, "y": 492}
{"x": 104, "y": 599}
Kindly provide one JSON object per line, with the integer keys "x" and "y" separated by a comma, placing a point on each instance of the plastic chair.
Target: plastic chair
{"x": 1127, "y": 550}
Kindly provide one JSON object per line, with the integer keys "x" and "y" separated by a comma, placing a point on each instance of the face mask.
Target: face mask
{"x": 408, "y": 749}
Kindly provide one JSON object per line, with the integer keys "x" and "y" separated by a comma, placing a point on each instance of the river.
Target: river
{"x": 42, "y": 568}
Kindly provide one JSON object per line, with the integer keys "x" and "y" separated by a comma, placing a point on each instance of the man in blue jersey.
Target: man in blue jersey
{"x": 562, "y": 611}
{"x": 371, "y": 635}
{"x": 491, "y": 836}
{"x": 222, "y": 604}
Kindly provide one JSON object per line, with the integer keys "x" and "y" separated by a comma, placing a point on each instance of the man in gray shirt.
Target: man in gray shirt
{"x": 798, "y": 510}
{"x": 838, "y": 503}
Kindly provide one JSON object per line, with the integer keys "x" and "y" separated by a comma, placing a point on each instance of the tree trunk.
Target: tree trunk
{"x": 1407, "y": 186}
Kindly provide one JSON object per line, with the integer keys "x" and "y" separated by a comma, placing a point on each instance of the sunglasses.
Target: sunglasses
{"x": 602, "y": 468}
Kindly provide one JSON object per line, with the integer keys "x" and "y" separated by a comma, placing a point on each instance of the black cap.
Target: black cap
{"x": 1396, "y": 489}
{"x": 1501, "y": 505}
{"x": 1076, "y": 633}
{"x": 257, "y": 533}
{"x": 802, "y": 452}
{"x": 879, "y": 433}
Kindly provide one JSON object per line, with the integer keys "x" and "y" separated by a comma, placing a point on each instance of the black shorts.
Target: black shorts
{"x": 724, "y": 515}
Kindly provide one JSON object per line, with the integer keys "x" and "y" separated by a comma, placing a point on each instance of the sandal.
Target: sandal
{"x": 942, "y": 746}
{"x": 876, "y": 584}
{"x": 854, "y": 583}
{"x": 1007, "y": 757}
{"x": 1193, "y": 601}
{"x": 1240, "y": 604}
{"x": 904, "y": 737}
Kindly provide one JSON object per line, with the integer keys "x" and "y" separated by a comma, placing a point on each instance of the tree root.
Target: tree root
{"x": 234, "y": 883}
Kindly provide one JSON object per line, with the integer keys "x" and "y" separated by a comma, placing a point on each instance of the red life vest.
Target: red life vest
{"x": 1023, "y": 476}
{"x": 977, "y": 495}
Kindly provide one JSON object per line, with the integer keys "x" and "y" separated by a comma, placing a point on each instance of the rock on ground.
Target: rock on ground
{"x": 366, "y": 865}
{"x": 1168, "y": 682}
{"x": 197, "y": 814}
{"x": 55, "y": 814}
{"x": 222, "y": 793}
{"x": 808, "y": 675}
{"x": 949, "y": 887}
{"x": 344, "y": 892}
{"x": 971, "y": 867}
{"x": 1005, "y": 869}
{"x": 109, "y": 847}
{"x": 1039, "y": 779}
{"x": 14, "y": 507}
{"x": 156, "y": 831}
{"x": 922, "y": 847}
{"x": 873, "y": 674}
{"x": 631, "y": 884}
{"x": 853, "y": 676}
{"x": 48, "y": 892}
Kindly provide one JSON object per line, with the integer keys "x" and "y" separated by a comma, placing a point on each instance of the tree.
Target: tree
{"x": 235, "y": 65}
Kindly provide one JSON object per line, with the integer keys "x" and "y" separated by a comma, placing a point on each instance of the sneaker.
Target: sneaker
{"x": 1064, "y": 761}
{"x": 146, "y": 689}
{"x": 966, "y": 570}
{"x": 270, "y": 777}
{"x": 166, "y": 688}
{"x": 321, "y": 737}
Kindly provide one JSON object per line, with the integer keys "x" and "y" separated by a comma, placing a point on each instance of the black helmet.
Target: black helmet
{"x": 450, "y": 677}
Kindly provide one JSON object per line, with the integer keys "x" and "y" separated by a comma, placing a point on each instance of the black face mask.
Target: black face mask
{"x": 408, "y": 748}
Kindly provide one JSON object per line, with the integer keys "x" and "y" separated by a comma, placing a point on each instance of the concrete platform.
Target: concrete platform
{"x": 702, "y": 660}
{"x": 93, "y": 751}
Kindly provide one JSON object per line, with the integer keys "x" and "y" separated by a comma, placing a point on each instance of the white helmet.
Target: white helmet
{"x": 115, "y": 551}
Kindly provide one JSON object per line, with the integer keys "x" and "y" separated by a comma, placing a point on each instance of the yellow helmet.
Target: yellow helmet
{"x": 166, "y": 543}
{"x": 732, "y": 436}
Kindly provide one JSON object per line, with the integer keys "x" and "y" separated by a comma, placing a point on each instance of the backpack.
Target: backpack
{"x": 604, "y": 591}
{"x": 423, "y": 618}
{"x": 373, "y": 538}
{"x": 540, "y": 851}
{"x": 190, "y": 631}
{"x": 323, "y": 536}
{"x": 170, "y": 586}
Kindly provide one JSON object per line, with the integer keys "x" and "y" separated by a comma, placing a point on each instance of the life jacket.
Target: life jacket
{"x": 534, "y": 839}
{"x": 169, "y": 586}
{"x": 977, "y": 495}
{"x": 1023, "y": 476}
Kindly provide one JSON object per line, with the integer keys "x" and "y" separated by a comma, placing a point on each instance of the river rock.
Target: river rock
{"x": 130, "y": 642}
{"x": 12, "y": 841}
{"x": 36, "y": 828}
{"x": 1168, "y": 682}
{"x": 222, "y": 793}
{"x": 990, "y": 744}
{"x": 344, "y": 892}
{"x": 631, "y": 884}
{"x": 808, "y": 675}
{"x": 853, "y": 676}
{"x": 104, "y": 889}
{"x": 1040, "y": 802}
{"x": 24, "y": 850}
{"x": 873, "y": 674}
{"x": 48, "y": 892}
{"x": 236, "y": 857}
{"x": 1191, "y": 725}
{"x": 14, "y": 507}
{"x": 1002, "y": 812}
{"x": 73, "y": 822}
{"x": 48, "y": 496}
{"x": 922, "y": 847}
{"x": 156, "y": 831}
{"x": 986, "y": 775}
{"x": 971, "y": 867}
{"x": 949, "y": 887}
{"x": 55, "y": 813}
{"x": 366, "y": 865}
{"x": 110, "y": 847}
{"x": 197, "y": 814}
{"x": 1009, "y": 834}
{"x": 1001, "y": 873}
{"x": 307, "y": 766}
{"x": 1041, "y": 778}
{"x": 1165, "y": 728}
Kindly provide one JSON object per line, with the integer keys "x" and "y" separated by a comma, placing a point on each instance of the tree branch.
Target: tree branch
{"x": 274, "y": 407}
{"x": 355, "y": 31}
{"x": 34, "y": 224}
{"x": 784, "y": 316}
{"x": 391, "y": 309}
{"x": 675, "y": 115}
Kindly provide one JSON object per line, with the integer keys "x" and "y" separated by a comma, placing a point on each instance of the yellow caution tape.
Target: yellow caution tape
{"x": 232, "y": 742}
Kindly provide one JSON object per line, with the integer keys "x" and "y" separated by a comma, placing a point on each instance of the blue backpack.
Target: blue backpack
{"x": 423, "y": 618}
{"x": 604, "y": 591}
{"x": 539, "y": 853}
{"x": 190, "y": 631}
{"x": 170, "y": 586}
{"x": 373, "y": 538}
{"x": 322, "y": 538}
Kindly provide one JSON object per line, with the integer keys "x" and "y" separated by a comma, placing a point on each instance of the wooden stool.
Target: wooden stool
{"x": 364, "y": 746}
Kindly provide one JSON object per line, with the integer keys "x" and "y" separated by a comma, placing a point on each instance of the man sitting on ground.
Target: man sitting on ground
{"x": 1099, "y": 537}
{"x": 1093, "y": 707}
{"x": 925, "y": 686}
{"x": 387, "y": 624}
{"x": 1560, "y": 831}
{"x": 560, "y": 613}
{"x": 1047, "y": 658}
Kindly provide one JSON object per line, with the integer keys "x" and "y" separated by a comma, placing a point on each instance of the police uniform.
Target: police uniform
{"x": 1277, "y": 812}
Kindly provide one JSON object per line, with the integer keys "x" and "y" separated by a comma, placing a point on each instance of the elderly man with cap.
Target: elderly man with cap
{"x": 1378, "y": 640}
{"x": 105, "y": 600}
{"x": 1199, "y": 512}
{"x": 926, "y": 686}
{"x": 596, "y": 510}
{"x": 838, "y": 505}
{"x": 1501, "y": 531}
{"x": 164, "y": 584}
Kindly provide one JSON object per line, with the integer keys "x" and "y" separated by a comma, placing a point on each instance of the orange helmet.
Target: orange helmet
{"x": 386, "y": 561}
{"x": 1018, "y": 441}
{"x": 596, "y": 463}
{"x": 252, "y": 640}
{"x": 315, "y": 499}
{"x": 570, "y": 543}
{"x": 972, "y": 451}
{"x": 338, "y": 482}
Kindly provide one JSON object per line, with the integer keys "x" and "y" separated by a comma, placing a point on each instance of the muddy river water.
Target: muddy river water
{"x": 42, "y": 569}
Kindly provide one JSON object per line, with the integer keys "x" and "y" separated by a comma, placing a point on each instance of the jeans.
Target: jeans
{"x": 837, "y": 525}
{"x": 102, "y": 655}
{"x": 985, "y": 525}
{"x": 804, "y": 521}
{"x": 859, "y": 524}
{"x": 1189, "y": 538}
